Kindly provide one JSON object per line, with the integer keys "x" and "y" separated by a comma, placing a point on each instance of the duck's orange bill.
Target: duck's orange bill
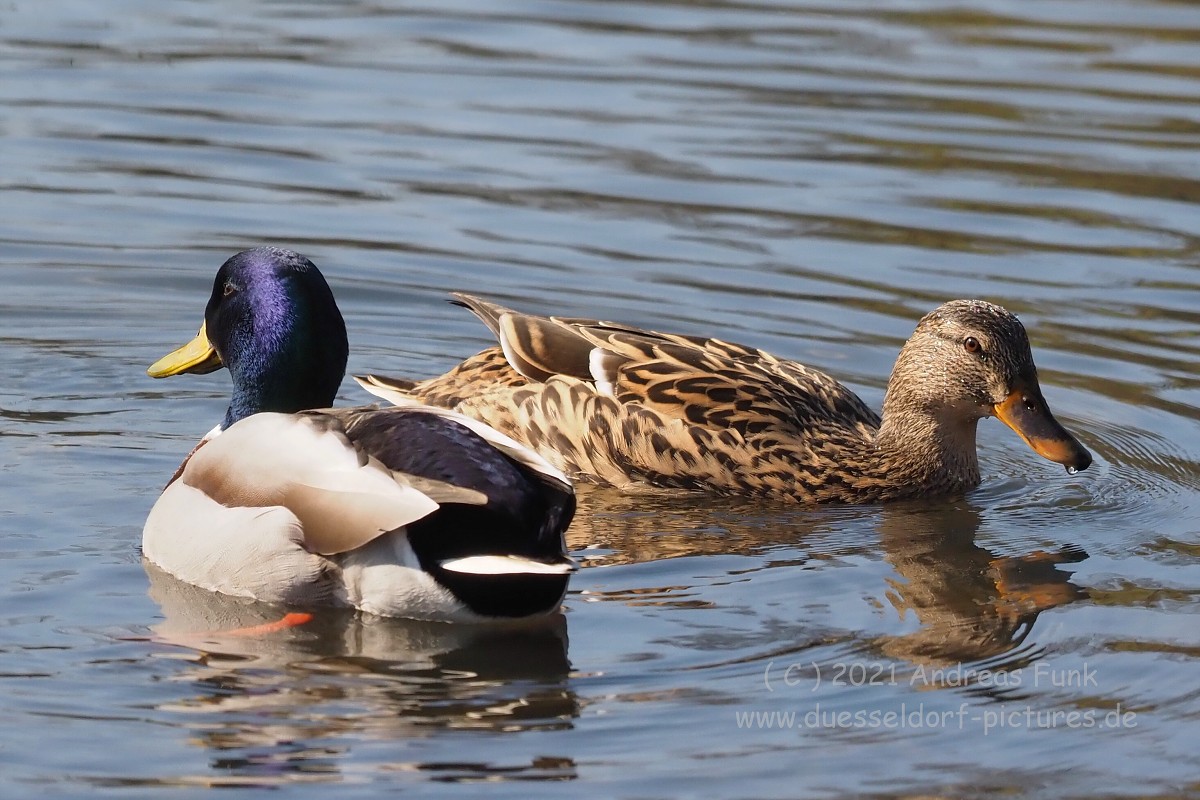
{"x": 197, "y": 356}
{"x": 1026, "y": 412}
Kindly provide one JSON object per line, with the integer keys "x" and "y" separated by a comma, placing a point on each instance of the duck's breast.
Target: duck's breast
{"x": 241, "y": 551}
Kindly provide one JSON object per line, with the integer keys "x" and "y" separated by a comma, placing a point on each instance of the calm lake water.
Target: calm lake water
{"x": 805, "y": 177}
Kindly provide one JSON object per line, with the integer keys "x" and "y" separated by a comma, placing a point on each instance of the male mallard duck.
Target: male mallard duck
{"x": 619, "y": 406}
{"x": 411, "y": 512}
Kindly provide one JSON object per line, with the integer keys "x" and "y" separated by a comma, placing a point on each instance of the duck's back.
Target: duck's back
{"x": 618, "y": 405}
{"x": 523, "y": 512}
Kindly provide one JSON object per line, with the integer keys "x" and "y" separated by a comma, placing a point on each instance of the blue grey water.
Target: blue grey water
{"x": 807, "y": 177}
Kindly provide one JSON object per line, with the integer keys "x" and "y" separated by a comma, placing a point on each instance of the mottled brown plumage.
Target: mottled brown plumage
{"x": 621, "y": 406}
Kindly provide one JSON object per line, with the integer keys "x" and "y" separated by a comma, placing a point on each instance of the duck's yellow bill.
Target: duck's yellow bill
{"x": 197, "y": 356}
{"x": 1026, "y": 412}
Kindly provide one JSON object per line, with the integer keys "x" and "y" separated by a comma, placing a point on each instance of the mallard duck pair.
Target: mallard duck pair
{"x": 452, "y": 504}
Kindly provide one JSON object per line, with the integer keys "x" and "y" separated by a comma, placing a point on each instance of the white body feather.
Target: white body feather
{"x": 283, "y": 510}
{"x": 244, "y": 552}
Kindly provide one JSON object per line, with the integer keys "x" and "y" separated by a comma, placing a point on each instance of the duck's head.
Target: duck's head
{"x": 272, "y": 321}
{"x": 969, "y": 359}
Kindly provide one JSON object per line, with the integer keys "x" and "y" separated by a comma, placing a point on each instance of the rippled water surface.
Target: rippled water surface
{"x": 808, "y": 178}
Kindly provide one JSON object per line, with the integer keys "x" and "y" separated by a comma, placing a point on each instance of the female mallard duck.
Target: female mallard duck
{"x": 412, "y": 512}
{"x": 619, "y": 406}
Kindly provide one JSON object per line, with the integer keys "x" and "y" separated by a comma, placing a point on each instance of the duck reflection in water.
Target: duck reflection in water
{"x": 272, "y": 706}
{"x": 971, "y": 603}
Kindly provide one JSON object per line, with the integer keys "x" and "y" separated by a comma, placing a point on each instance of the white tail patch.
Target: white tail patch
{"x": 506, "y": 565}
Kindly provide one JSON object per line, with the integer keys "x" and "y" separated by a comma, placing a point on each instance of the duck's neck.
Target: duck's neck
{"x": 931, "y": 452}
{"x": 289, "y": 367}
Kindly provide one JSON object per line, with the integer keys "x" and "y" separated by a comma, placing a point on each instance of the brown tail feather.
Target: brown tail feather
{"x": 489, "y": 313}
{"x": 536, "y": 347}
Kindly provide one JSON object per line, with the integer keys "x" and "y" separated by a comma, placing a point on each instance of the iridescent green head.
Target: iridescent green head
{"x": 273, "y": 323}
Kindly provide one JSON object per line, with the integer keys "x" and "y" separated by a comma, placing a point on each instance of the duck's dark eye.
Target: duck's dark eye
{"x": 972, "y": 345}
{"x": 230, "y": 288}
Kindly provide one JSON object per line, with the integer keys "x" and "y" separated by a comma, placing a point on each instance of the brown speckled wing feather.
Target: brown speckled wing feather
{"x": 705, "y": 381}
{"x": 712, "y": 383}
{"x": 486, "y": 373}
{"x": 617, "y": 405}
